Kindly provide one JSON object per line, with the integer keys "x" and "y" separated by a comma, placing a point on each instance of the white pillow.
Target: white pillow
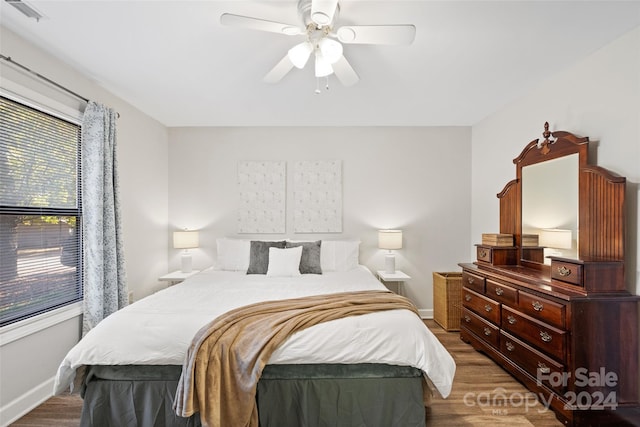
{"x": 233, "y": 254}
{"x": 284, "y": 262}
{"x": 339, "y": 255}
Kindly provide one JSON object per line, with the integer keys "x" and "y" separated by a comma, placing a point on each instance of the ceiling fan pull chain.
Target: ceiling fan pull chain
{"x": 317, "y": 91}
{"x": 327, "y": 84}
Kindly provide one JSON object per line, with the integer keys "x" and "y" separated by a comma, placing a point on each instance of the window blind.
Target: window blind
{"x": 40, "y": 212}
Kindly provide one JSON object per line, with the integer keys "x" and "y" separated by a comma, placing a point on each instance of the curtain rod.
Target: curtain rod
{"x": 51, "y": 82}
{"x": 40, "y": 76}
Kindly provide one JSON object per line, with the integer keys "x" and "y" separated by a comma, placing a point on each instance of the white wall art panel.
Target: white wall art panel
{"x": 262, "y": 188}
{"x": 317, "y": 196}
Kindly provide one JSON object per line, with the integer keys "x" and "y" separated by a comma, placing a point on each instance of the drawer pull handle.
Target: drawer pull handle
{"x": 564, "y": 271}
{"x": 470, "y": 280}
{"x": 487, "y": 331}
{"x": 510, "y": 346}
{"x": 467, "y": 318}
{"x": 537, "y": 306}
{"x": 482, "y": 253}
{"x": 544, "y": 369}
{"x": 467, "y": 297}
{"x": 544, "y": 336}
{"x": 512, "y": 320}
{"x": 488, "y": 308}
{"x": 499, "y": 291}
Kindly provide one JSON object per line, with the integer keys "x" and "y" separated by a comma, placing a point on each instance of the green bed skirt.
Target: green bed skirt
{"x": 371, "y": 395}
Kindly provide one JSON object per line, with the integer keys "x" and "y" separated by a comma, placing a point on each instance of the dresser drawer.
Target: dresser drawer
{"x": 483, "y": 329}
{"x": 502, "y": 293}
{"x": 567, "y": 272}
{"x": 481, "y": 305}
{"x": 473, "y": 281}
{"x": 546, "y": 310}
{"x": 497, "y": 255}
{"x": 546, "y": 338}
{"x": 538, "y": 365}
{"x": 483, "y": 253}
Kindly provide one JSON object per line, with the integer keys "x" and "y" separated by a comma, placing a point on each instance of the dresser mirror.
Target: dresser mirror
{"x": 550, "y": 207}
{"x": 545, "y": 211}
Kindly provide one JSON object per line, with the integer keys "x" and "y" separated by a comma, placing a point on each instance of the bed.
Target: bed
{"x": 374, "y": 369}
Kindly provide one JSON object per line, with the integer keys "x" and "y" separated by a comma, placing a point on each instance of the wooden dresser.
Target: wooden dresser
{"x": 568, "y": 328}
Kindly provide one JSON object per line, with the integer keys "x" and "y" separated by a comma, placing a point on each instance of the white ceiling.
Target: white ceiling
{"x": 174, "y": 61}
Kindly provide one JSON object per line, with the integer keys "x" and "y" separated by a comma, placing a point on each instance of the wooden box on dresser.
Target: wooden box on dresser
{"x": 567, "y": 329}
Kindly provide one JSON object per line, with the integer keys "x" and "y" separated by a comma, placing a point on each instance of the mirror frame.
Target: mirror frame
{"x": 554, "y": 145}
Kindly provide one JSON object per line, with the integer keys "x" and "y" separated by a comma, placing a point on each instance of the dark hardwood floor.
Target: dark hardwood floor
{"x": 483, "y": 394}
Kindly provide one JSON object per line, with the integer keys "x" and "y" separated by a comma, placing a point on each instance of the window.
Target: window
{"x": 40, "y": 212}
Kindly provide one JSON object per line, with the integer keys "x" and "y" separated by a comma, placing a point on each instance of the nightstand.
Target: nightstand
{"x": 398, "y": 278}
{"x": 176, "y": 277}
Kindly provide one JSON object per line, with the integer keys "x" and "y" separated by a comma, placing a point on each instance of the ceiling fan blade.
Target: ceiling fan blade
{"x": 279, "y": 71}
{"x": 377, "y": 34}
{"x": 322, "y": 11}
{"x": 259, "y": 24}
{"x": 344, "y": 72}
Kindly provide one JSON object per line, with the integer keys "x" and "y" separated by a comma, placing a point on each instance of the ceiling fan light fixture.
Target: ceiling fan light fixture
{"x": 299, "y": 54}
{"x": 323, "y": 67}
{"x": 324, "y": 37}
{"x": 331, "y": 50}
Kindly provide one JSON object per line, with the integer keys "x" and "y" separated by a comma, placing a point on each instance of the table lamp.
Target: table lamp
{"x": 390, "y": 240}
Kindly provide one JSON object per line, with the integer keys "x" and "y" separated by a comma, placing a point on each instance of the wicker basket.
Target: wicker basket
{"x": 447, "y": 300}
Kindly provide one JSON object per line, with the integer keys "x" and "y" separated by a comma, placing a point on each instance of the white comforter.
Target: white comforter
{"x": 158, "y": 329}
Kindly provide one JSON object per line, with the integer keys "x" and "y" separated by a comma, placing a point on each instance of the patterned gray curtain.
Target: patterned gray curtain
{"x": 105, "y": 287}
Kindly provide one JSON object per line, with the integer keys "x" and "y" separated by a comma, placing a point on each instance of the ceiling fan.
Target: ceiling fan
{"x": 323, "y": 39}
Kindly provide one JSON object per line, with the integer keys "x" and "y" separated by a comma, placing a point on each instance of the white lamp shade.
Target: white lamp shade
{"x": 299, "y": 54}
{"x": 390, "y": 239}
{"x": 331, "y": 50}
{"x": 185, "y": 239}
{"x": 555, "y": 238}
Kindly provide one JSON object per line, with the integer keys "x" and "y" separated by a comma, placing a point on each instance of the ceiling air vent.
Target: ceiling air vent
{"x": 25, "y": 9}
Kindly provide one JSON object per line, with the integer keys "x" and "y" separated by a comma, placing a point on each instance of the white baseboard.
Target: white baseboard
{"x": 22, "y": 405}
{"x": 426, "y": 313}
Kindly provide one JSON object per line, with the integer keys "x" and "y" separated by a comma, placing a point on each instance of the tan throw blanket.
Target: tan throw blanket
{"x": 226, "y": 357}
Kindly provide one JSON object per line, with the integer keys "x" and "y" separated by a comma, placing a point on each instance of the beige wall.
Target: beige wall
{"x": 28, "y": 365}
{"x": 416, "y": 179}
{"x": 600, "y": 98}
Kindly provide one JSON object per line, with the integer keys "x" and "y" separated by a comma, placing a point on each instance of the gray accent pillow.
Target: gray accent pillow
{"x": 259, "y": 255}
{"x": 310, "y": 260}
